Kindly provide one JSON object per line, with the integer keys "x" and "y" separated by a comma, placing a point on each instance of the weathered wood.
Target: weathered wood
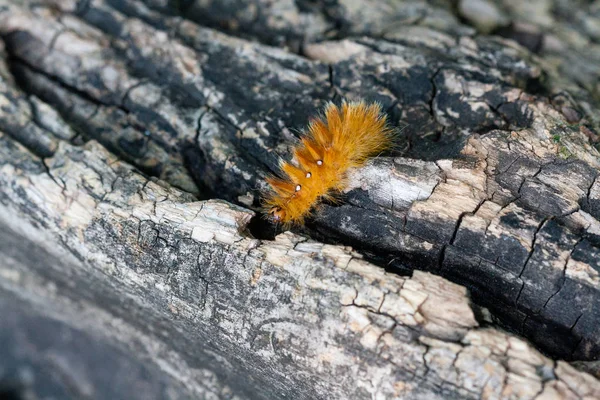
{"x": 494, "y": 185}
{"x": 97, "y": 250}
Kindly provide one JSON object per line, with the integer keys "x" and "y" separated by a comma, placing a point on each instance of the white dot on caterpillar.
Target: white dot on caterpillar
{"x": 308, "y": 174}
{"x": 298, "y": 187}
{"x": 319, "y": 162}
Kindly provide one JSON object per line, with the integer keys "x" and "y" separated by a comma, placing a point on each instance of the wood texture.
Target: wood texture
{"x": 121, "y": 123}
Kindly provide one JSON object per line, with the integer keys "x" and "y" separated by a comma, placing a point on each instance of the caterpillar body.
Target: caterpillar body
{"x": 342, "y": 138}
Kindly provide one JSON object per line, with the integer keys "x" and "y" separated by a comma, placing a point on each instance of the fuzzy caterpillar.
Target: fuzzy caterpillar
{"x": 343, "y": 138}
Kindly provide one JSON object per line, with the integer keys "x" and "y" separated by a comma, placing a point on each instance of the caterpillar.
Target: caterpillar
{"x": 343, "y": 137}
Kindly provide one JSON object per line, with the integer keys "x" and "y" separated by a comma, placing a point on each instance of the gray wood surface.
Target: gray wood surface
{"x": 134, "y": 140}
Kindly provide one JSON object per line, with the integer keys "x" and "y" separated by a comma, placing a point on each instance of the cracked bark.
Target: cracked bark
{"x": 116, "y": 117}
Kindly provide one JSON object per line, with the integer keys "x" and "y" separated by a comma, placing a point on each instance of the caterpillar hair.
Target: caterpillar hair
{"x": 342, "y": 138}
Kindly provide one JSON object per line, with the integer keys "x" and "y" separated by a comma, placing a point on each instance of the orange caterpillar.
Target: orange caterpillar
{"x": 343, "y": 138}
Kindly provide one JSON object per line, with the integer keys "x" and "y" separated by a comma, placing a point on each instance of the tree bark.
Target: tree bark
{"x": 123, "y": 122}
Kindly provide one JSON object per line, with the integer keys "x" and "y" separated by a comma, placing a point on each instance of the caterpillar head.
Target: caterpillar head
{"x": 277, "y": 214}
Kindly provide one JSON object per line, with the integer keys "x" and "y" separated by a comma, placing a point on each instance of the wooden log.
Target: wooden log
{"x": 117, "y": 117}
